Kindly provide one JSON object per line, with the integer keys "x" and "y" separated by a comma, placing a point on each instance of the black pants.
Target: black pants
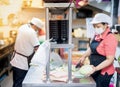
{"x": 18, "y": 76}
{"x": 102, "y": 80}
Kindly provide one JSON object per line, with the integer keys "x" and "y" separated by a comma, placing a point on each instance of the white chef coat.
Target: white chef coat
{"x": 25, "y": 42}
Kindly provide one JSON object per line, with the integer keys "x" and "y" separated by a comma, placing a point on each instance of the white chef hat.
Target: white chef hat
{"x": 101, "y": 17}
{"x": 37, "y": 22}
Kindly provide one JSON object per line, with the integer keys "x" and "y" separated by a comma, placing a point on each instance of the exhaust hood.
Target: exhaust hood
{"x": 104, "y": 5}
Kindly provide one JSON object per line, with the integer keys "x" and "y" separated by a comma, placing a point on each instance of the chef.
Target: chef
{"x": 26, "y": 44}
{"x": 101, "y": 51}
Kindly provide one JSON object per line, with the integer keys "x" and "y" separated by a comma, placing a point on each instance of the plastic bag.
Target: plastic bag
{"x": 55, "y": 60}
{"x": 41, "y": 56}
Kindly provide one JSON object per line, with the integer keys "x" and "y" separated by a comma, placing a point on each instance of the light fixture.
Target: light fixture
{"x": 82, "y": 3}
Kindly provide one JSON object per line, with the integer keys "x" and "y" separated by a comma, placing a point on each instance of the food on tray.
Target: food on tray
{"x": 85, "y": 69}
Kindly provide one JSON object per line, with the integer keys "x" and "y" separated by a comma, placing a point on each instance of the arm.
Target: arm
{"x": 34, "y": 40}
{"x": 36, "y": 47}
{"x": 87, "y": 53}
{"x": 109, "y": 60}
{"x": 82, "y": 59}
{"x": 110, "y": 49}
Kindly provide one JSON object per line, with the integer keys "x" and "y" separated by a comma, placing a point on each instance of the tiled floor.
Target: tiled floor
{"x": 7, "y": 82}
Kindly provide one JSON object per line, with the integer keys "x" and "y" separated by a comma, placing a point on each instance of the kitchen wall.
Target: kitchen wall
{"x": 24, "y": 14}
{"x": 12, "y": 7}
{"x": 5, "y": 9}
{"x": 21, "y": 15}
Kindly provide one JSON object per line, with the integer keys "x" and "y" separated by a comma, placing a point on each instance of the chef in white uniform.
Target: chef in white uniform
{"x": 26, "y": 44}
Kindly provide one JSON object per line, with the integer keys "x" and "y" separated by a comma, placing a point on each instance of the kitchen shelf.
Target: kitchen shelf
{"x": 48, "y": 7}
{"x": 62, "y": 45}
{"x": 33, "y": 8}
{"x": 63, "y": 5}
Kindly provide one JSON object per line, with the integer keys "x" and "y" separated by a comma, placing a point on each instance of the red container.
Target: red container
{"x": 111, "y": 85}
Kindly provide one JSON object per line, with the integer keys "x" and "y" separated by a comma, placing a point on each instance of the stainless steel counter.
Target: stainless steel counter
{"x": 36, "y": 73}
{"x": 34, "y": 79}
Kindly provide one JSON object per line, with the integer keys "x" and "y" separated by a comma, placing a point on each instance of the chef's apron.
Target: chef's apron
{"x": 96, "y": 59}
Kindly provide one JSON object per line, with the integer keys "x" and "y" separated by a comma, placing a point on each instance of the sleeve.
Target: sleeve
{"x": 34, "y": 40}
{"x": 110, "y": 45}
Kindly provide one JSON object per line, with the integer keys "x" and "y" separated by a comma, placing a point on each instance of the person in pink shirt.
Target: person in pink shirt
{"x": 102, "y": 50}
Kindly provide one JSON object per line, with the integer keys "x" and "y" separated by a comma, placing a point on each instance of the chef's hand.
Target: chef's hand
{"x": 94, "y": 70}
{"x": 80, "y": 63}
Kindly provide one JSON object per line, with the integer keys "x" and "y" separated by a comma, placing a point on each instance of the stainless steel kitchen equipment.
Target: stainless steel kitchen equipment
{"x": 56, "y": 1}
{"x": 33, "y": 79}
{"x": 59, "y": 31}
{"x": 48, "y": 6}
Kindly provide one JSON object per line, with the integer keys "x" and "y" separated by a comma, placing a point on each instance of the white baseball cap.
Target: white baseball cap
{"x": 101, "y": 17}
{"x": 37, "y": 22}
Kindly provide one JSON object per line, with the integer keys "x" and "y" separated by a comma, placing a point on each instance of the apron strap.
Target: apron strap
{"x": 20, "y": 54}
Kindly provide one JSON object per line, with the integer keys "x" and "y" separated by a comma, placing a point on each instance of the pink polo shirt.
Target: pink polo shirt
{"x": 107, "y": 47}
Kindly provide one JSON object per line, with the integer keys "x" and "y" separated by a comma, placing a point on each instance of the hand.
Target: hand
{"x": 94, "y": 69}
{"x": 80, "y": 63}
